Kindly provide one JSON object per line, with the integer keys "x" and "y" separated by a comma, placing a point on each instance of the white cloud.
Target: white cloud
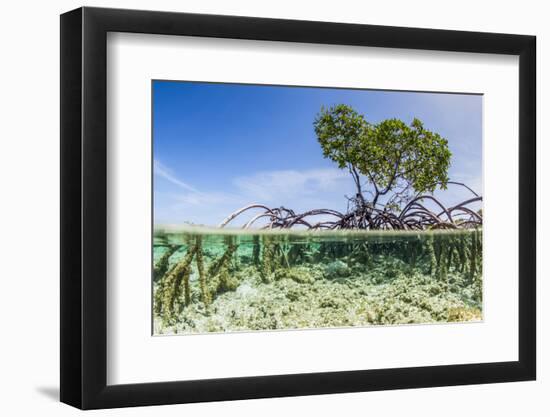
{"x": 455, "y": 194}
{"x": 202, "y": 199}
{"x": 185, "y": 203}
{"x": 298, "y": 190}
{"x": 164, "y": 172}
{"x": 473, "y": 181}
{"x": 276, "y": 186}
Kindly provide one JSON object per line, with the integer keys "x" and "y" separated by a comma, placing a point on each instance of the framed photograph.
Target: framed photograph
{"x": 257, "y": 208}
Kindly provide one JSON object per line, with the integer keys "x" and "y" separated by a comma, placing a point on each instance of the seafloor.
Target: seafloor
{"x": 402, "y": 280}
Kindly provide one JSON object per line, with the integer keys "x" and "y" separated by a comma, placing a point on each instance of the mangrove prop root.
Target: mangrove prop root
{"x": 414, "y": 216}
{"x": 217, "y": 264}
{"x": 162, "y": 265}
{"x": 186, "y": 286}
{"x": 267, "y": 259}
{"x": 205, "y": 293}
{"x": 256, "y": 250}
{"x": 220, "y": 278}
{"x": 174, "y": 288}
{"x": 171, "y": 285}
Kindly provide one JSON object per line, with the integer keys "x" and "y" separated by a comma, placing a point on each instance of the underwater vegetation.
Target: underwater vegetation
{"x": 207, "y": 280}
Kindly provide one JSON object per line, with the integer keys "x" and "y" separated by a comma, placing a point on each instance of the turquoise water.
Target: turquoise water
{"x": 218, "y": 280}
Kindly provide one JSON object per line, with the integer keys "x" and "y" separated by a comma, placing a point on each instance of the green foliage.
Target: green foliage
{"x": 392, "y": 155}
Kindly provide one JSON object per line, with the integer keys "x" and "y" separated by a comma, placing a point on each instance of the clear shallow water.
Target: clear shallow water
{"x": 232, "y": 280}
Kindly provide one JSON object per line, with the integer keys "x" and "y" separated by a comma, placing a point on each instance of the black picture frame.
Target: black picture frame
{"x": 84, "y": 207}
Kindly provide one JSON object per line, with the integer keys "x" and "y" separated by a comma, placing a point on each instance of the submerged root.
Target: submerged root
{"x": 220, "y": 278}
{"x": 171, "y": 286}
{"x": 163, "y": 264}
{"x": 205, "y": 293}
{"x": 267, "y": 259}
{"x": 174, "y": 288}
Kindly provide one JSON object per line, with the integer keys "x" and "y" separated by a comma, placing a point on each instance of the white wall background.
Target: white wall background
{"x": 29, "y": 177}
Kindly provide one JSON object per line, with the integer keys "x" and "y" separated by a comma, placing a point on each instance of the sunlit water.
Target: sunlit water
{"x": 214, "y": 280}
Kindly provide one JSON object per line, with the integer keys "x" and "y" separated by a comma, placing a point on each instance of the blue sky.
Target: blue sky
{"x": 218, "y": 147}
